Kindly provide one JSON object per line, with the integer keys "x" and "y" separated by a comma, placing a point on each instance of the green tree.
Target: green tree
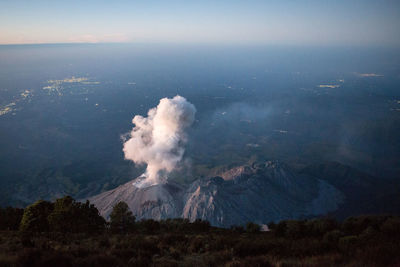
{"x": 252, "y": 227}
{"x": 150, "y": 226}
{"x": 280, "y": 229}
{"x": 35, "y": 216}
{"x": 10, "y": 218}
{"x": 318, "y": 227}
{"x": 121, "y": 218}
{"x": 391, "y": 227}
{"x": 295, "y": 229}
{"x": 91, "y": 221}
{"x": 200, "y": 226}
{"x": 60, "y": 220}
{"x": 71, "y": 216}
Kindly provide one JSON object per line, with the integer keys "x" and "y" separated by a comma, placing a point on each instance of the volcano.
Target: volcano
{"x": 261, "y": 193}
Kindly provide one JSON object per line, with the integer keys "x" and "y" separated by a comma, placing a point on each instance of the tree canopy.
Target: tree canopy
{"x": 64, "y": 215}
{"x": 35, "y": 216}
{"x": 121, "y": 218}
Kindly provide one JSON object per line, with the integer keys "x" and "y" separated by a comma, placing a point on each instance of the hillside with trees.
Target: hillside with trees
{"x": 71, "y": 233}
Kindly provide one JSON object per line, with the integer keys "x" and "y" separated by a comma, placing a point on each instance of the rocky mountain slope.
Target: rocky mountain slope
{"x": 260, "y": 193}
{"x": 364, "y": 194}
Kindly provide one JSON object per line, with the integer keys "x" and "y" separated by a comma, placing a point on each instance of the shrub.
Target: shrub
{"x": 295, "y": 229}
{"x": 318, "y": 227}
{"x": 200, "y": 226}
{"x": 237, "y": 228}
{"x": 71, "y": 216}
{"x": 7, "y": 260}
{"x": 121, "y": 219}
{"x": 331, "y": 238}
{"x": 356, "y": 225}
{"x": 197, "y": 244}
{"x": 29, "y": 257}
{"x": 391, "y": 227}
{"x": 35, "y": 216}
{"x": 245, "y": 248}
{"x": 280, "y": 229}
{"x": 218, "y": 258}
{"x": 348, "y": 243}
{"x": 150, "y": 226}
{"x": 252, "y": 227}
{"x": 10, "y": 218}
{"x": 98, "y": 260}
{"x": 56, "y": 259}
{"x": 165, "y": 262}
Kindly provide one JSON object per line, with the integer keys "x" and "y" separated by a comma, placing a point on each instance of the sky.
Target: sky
{"x": 293, "y": 22}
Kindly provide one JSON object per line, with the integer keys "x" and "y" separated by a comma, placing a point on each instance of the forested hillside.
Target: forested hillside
{"x": 70, "y": 233}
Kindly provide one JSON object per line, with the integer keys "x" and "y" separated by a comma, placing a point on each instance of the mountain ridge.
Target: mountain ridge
{"x": 261, "y": 192}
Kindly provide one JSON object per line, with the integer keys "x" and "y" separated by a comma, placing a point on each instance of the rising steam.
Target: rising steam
{"x": 158, "y": 139}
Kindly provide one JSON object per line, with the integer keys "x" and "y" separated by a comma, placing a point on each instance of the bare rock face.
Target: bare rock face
{"x": 156, "y": 202}
{"x": 260, "y": 193}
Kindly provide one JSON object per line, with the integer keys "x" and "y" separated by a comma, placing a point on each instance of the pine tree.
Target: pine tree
{"x": 121, "y": 218}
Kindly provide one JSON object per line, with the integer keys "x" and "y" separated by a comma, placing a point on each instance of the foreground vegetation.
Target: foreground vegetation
{"x": 69, "y": 233}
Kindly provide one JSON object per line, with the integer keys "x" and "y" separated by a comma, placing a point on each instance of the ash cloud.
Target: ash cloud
{"x": 158, "y": 140}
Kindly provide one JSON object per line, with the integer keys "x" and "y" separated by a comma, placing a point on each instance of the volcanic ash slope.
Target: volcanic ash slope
{"x": 260, "y": 193}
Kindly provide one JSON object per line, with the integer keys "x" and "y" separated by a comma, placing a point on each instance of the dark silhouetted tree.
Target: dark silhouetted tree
{"x": 237, "y": 228}
{"x": 35, "y": 216}
{"x": 295, "y": 229}
{"x": 121, "y": 218}
{"x": 71, "y": 216}
{"x": 10, "y": 218}
{"x": 252, "y": 227}
{"x": 200, "y": 226}
{"x": 280, "y": 229}
{"x": 150, "y": 226}
{"x": 318, "y": 227}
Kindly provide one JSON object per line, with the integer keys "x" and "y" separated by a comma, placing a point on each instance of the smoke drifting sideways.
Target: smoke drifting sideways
{"x": 158, "y": 140}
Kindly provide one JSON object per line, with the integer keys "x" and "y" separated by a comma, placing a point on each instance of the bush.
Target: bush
{"x": 10, "y": 218}
{"x": 200, "y": 226}
{"x": 391, "y": 227}
{"x": 56, "y": 259}
{"x": 348, "y": 243}
{"x": 295, "y": 229}
{"x": 237, "y": 229}
{"x": 98, "y": 260}
{"x": 356, "y": 225}
{"x": 29, "y": 257}
{"x": 280, "y": 229}
{"x": 318, "y": 242}
{"x": 252, "y": 227}
{"x": 75, "y": 217}
{"x": 259, "y": 261}
{"x": 150, "y": 226}
{"x": 332, "y": 237}
{"x": 35, "y": 216}
{"x": 121, "y": 219}
{"x": 7, "y": 261}
{"x": 246, "y": 248}
{"x": 165, "y": 262}
{"x": 318, "y": 227}
{"x": 197, "y": 244}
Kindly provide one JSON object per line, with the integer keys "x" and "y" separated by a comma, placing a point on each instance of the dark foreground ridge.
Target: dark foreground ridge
{"x": 70, "y": 233}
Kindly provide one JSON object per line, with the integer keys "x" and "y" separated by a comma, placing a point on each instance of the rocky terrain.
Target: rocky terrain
{"x": 261, "y": 193}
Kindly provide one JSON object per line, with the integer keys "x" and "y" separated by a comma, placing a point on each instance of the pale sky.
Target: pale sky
{"x": 308, "y": 22}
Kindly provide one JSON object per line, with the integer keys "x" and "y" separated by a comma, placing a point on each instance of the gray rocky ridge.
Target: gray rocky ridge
{"x": 261, "y": 193}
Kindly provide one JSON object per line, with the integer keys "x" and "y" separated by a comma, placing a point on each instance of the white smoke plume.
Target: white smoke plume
{"x": 158, "y": 140}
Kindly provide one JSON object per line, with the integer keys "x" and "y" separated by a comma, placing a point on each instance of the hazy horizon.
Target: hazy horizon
{"x": 309, "y": 22}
